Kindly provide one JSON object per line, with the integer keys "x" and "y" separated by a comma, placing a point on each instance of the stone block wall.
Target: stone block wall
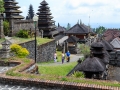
{"x": 22, "y": 24}
{"x": 45, "y": 51}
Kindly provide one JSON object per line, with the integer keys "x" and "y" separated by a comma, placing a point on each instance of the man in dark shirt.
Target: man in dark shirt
{"x": 68, "y": 56}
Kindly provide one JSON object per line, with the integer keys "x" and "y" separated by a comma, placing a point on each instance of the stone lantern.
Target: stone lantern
{"x": 6, "y": 49}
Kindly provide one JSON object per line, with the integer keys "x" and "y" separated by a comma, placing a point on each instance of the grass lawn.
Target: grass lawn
{"x": 59, "y": 70}
{"x": 55, "y": 72}
{"x": 18, "y": 40}
{"x": 39, "y": 40}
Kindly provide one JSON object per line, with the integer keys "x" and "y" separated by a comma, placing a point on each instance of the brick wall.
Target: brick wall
{"x": 49, "y": 84}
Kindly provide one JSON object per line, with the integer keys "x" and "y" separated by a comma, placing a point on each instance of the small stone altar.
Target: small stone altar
{"x": 5, "y": 51}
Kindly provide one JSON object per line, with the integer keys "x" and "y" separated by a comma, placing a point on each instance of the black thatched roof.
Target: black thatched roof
{"x": 106, "y": 53}
{"x": 96, "y": 52}
{"x": 77, "y": 29}
{"x": 97, "y": 45}
{"x": 72, "y": 39}
{"x": 53, "y": 32}
{"x": 107, "y": 45}
{"x": 85, "y": 27}
{"x": 93, "y": 64}
{"x": 61, "y": 29}
{"x": 44, "y": 3}
{"x": 106, "y": 59}
{"x": 58, "y": 37}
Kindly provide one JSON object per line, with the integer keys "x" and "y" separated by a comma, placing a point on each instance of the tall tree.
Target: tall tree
{"x": 100, "y": 30}
{"x": 80, "y": 21}
{"x": 1, "y": 6}
{"x": 58, "y": 25}
{"x": 68, "y": 26}
{"x": 30, "y": 12}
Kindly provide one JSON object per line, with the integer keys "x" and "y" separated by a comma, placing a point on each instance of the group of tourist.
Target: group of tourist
{"x": 63, "y": 56}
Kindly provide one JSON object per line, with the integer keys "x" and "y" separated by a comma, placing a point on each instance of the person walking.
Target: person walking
{"x": 55, "y": 57}
{"x": 63, "y": 57}
{"x": 68, "y": 56}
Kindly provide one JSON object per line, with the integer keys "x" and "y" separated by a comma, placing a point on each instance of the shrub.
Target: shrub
{"x": 23, "y": 52}
{"x": 85, "y": 50}
{"x": 63, "y": 79}
{"x": 78, "y": 74}
{"x": 19, "y": 51}
{"x": 15, "y": 48}
{"x": 23, "y": 34}
{"x": 6, "y": 28}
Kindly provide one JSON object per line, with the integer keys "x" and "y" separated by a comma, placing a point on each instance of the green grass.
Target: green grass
{"x": 18, "y": 40}
{"x": 60, "y": 70}
{"x": 57, "y": 73}
{"x": 39, "y": 40}
{"x": 42, "y": 40}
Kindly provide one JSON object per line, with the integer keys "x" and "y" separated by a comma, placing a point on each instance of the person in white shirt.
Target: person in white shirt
{"x": 55, "y": 57}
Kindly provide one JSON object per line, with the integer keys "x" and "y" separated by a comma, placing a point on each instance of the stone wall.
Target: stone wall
{"x": 45, "y": 52}
{"x": 23, "y": 24}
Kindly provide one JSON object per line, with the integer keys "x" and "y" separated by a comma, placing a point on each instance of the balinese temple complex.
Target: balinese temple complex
{"x": 11, "y": 10}
{"x": 45, "y": 21}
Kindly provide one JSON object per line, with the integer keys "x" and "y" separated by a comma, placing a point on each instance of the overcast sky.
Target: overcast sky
{"x": 93, "y": 12}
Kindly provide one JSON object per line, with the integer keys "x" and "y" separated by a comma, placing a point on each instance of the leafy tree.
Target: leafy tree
{"x": 6, "y": 27}
{"x": 30, "y": 12}
{"x": 23, "y": 34}
{"x": 81, "y": 21}
{"x": 1, "y": 6}
{"x": 100, "y": 30}
{"x": 68, "y": 26}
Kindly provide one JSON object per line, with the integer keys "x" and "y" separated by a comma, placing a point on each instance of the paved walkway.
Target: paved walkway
{"x": 73, "y": 58}
{"x": 16, "y": 87}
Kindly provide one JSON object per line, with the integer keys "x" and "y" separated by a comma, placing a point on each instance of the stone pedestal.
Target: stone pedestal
{"x": 5, "y": 54}
{"x": 6, "y": 49}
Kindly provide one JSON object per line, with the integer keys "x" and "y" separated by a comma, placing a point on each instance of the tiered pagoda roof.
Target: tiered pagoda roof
{"x": 11, "y": 10}
{"x": 45, "y": 21}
